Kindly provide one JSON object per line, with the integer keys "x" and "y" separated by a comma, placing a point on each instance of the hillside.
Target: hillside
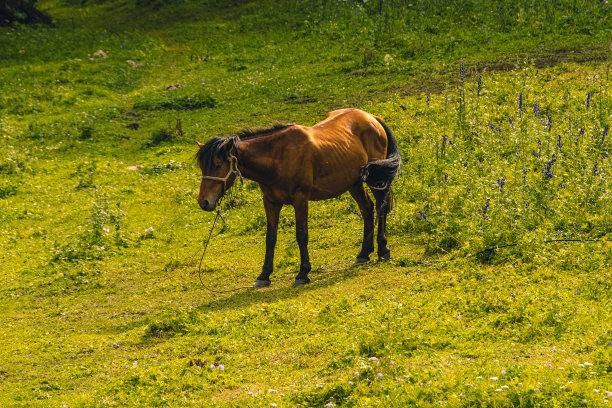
{"x": 498, "y": 292}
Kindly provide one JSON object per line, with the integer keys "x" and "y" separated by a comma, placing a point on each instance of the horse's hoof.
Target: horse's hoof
{"x": 300, "y": 282}
{"x": 261, "y": 283}
{"x": 360, "y": 261}
{"x": 385, "y": 257}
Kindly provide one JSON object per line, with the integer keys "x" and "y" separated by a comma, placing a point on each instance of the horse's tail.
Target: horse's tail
{"x": 379, "y": 174}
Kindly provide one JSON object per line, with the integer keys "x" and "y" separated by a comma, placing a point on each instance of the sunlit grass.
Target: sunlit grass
{"x": 498, "y": 292}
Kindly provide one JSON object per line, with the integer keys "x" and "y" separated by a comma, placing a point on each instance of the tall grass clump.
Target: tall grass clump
{"x": 519, "y": 164}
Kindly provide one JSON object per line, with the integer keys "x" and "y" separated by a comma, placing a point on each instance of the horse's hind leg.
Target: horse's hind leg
{"x": 300, "y": 205}
{"x": 272, "y": 216}
{"x": 366, "y": 207}
{"x": 383, "y": 206}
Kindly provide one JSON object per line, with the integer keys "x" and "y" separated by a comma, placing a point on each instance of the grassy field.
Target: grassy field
{"x": 499, "y": 290}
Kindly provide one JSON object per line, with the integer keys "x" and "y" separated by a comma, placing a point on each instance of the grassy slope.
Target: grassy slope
{"x": 97, "y": 317}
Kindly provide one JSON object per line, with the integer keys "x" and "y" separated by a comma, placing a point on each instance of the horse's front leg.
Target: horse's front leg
{"x": 300, "y": 205}
{"x": 272, "y": 216}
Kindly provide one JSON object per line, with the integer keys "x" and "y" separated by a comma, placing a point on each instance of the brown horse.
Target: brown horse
{"x": 295, "y": 164}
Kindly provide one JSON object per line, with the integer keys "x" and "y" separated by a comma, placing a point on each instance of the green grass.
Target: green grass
{"x": 101, "y": 236}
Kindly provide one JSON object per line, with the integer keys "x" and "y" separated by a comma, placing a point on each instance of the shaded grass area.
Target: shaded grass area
{"x": 100, "y": 234}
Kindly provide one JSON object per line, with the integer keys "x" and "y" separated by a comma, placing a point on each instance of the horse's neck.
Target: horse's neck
{"x": 254, "y": 159}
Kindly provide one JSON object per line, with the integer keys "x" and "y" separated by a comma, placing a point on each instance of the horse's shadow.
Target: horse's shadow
{"x": 281, "y": 288}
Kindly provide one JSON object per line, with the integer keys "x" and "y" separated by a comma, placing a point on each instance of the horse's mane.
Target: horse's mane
{"x": 206, "y": 154}
{"x": 251, "y": 133}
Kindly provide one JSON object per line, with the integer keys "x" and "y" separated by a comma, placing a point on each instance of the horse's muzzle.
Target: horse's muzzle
{"x": 207, "y": 205}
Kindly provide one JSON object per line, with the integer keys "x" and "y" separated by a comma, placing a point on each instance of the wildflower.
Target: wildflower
{"x": 520, "y": 104}
{"x": 524, "y": 176}
{"x": 373, "y": 359}
{"x": 486, "y": 209}
{"x": 271, "y": 391}
{"x": 462, "y": 70}
{"x": 212, "y": 366}
{"x": 428, "y": 99}
{"x": 479, "y": 85}
{"x": 503, "y": 372}
{"x": 273, "y": 404}
{"x": 356, "y": 374}
{"x": 423, "y": 215}
{"x": 446, "y": 178}
{"x": 493, "y": 378}
{"x": 380, "y": 376}
{"x": 105, "y": 229}
{"x": 595, "y": 169}
{"x": 221, "y": 367}
{"x": 536, "y": 109}
{"x": 581, "y": 133}
{"x": 605, "y": 132}
{"x": 450, "y": 142}
{"x": 559, "y": 144}
{"x": 511, "y": 123}
{"x": 561, "y": 185}
{"x": 501, "y": 182}
{"x": 549, "y": 124}
{"x": 549, "y": 166}
{"x": 493, "y": 127}
{"x": 588, "y": 100}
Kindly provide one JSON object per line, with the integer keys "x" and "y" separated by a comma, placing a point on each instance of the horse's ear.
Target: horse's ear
{"x": 200, "y": 144}
{"x": 228, "y": 145}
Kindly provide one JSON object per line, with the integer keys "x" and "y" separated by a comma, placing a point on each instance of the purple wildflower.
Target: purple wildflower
{"x": 588, "y": 100}
{"x": 549, "y": 124}
{"x": 605, "y": 132}
{"x": 450, "y": 142}
{"x": 547, "y": 170}
{"x": 423, "y": 215}
{"x": 479, "y": 85}
{"x": 559, "y": 144}
{"x": 428, "y": 98}
{"x": 561, "y": 185}
{"x": 485, "y": 209}
{"x": 520, "y": 104}
{"x": 462, "y": 70}
{"x": 524, "y": 176}
{"x": 536, "y": 109}
{"x": 511, "y": 123}
{"x": 595, "y": 169}
{"x": 581, "y": 133}
{"x": 493, "y": 127}
{"x": 501, "y": 182}
{"x": 446, "y": 178}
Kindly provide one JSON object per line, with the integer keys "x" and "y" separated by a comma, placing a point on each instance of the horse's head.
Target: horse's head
{"x": 219, "y": 164}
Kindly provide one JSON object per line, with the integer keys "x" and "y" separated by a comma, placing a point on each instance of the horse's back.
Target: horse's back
{"x": 339, "y": 147}
{"x": 355, "y": 127}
